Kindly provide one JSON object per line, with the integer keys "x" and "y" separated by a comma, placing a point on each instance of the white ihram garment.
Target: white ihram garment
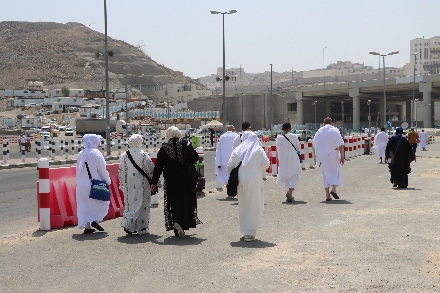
{"x": 250, "y": 189}
{"x": 326, "y": 141}
{"x": 423, "y": 138}
{"x": 289, "y": 167}
{"x": 222, "y": 155}
{"x": 380, "y": 143}
{"x": 89, "y": 210}
{"x": 136, "y": 188}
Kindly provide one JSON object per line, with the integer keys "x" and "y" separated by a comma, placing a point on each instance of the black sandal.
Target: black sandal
{"x": 328, "y": 199}
{"x": 334, "y": 194}
{"x": 89, "y": 231}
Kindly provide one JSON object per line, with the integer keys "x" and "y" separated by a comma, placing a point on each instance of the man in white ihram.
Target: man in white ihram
{"x": 223, "y": 153}
{"x": 289, "y": 167}
{"x": 423, "y": 138}
{"x": 380, "y": 143}
{"x": 329, "y": 150}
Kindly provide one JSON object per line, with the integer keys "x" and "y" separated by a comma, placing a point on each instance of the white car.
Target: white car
{"x": 68, "y": 132}
{"x": 62, "y": 127}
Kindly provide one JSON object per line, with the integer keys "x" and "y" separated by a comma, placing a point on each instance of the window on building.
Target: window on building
{"x": 291, "y": 107}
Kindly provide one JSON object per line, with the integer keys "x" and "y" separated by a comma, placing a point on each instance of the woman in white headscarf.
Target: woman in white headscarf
{"x": 136, "y": 188}
{"x": 90, "y": 211}
{"x": 180, "y": 202}
{"x": 250, "y": 189}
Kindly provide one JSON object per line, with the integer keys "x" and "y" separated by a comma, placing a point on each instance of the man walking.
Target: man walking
{"x": 223, "y": 153}
{"x": 413, "y": 138}
{"x": 380, "y": 141}
{"x": 329, "y": 150}
{"x": 423, "y": 138}
{"x": 289, "y": 167}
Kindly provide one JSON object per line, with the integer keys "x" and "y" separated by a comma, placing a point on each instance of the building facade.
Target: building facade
{"x": 427, "y": 59}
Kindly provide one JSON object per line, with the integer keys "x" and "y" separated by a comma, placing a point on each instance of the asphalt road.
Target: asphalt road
{"x": 375, "y": 239}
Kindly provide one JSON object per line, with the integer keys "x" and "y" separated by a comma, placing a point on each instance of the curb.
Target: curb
{"x": 51, "y": 163}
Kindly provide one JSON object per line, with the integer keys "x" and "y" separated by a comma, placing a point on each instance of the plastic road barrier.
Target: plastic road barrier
{"x": 56, "y": 194}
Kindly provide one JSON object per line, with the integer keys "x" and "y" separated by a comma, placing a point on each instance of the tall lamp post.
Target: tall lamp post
{"x": 224, "y": 66}
{"x": 414, "y": 88}
{"x": 271, "y": 101}
{"x": 107, "y": 90}
{"x": 384, "y": 91}
{"x": 314, "y": 125}
{"x": 323, "y": 62}
{"x": 369, "y": 116}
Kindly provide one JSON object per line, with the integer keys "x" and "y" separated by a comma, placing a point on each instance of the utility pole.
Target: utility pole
{"x": 107, "y": 89}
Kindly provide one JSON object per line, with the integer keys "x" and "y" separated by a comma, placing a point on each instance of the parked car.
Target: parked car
{"x": 61, "y": 127}
{"x": 45, "y": 135}
{"x": 20, "y": 116}
{"x": 303, "y": 134}
{"x": 68, "y": 132}
{"x": 47, "y": 113}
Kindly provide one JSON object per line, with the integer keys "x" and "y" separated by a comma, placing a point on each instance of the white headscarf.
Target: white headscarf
{"x": 249, "y": 146}
{"x": 135, "y": 141}
{"x": 173, "y": 132}
{"x": 91, "y": 141}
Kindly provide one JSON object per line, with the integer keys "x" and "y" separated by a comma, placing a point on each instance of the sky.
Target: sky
{"x": 291, "y": 34}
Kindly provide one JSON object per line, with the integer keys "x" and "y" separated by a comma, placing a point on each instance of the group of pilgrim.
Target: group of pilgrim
{"x": 138, "y": 183}
{"x": 245, "y": 151}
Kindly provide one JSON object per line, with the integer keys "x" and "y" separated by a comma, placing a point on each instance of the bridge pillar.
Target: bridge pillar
{"x": 426, "y": 88}
{"x": 299, "y": 109}
{"x": 328, "y": 109}
{"x": 354, "y": 93}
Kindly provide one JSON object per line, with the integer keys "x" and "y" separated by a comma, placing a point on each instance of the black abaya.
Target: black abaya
{"x": 404, "y": 156}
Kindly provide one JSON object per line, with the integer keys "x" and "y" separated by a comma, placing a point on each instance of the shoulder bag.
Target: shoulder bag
{"x": 141, "y": 171}
{"x": 393, "y": 154}
{"x": 100, "y": 189}
{"x": 297, "y": 152}
{"x": 231, "y": 188}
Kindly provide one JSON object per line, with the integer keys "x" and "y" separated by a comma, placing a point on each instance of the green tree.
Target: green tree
{"x": 65, "y": 91}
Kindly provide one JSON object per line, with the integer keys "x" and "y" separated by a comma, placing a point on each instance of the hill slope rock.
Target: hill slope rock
{"x": 65, "y": 54}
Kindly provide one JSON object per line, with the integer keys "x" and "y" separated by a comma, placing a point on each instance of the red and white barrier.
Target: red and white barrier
{"x": 303, "y": 154}
{"x": 57, "y": 195}
{"x": 310, "y": 159}
{"x": 44, "y": 193}
{"x": 274, "y": 160}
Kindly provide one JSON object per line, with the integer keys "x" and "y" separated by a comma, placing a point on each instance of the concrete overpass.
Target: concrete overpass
{"x": 399, "y": 91}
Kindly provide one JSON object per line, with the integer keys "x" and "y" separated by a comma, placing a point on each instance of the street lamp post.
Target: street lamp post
{"x": 314, "y": 125}
{"x": 384, "y": 90}
{"x": 102, "y": 93}
{"x": 414, "y": 86}
{"x": 107, "y": 90}
{"x": 416, "y": 108}
{"x": 369, "y": 116}
{"x": 323, "y": 62}
{"x": 224, "y": 66}
{"x": 271, "y": 101}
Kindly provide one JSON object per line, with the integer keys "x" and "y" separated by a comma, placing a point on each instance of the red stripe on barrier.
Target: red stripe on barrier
{"x": 44, "y": 200}
{"x": 43, "y": 173}
{"x": 310, "y": 156}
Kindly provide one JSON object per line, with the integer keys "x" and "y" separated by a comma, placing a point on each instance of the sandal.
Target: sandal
{"x": 334, "y": 194}
{"x": 289, "y": 197}
{"x": 328, "y": 199}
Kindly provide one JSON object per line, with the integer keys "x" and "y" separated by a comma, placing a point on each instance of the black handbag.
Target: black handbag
{"x": 231, "y": 188}
{"x": 141, "y": 171}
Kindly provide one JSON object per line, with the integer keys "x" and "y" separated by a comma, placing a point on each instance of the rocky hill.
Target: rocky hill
{"x": 71, "y": 54}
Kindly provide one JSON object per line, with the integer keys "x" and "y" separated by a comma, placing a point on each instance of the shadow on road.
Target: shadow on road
{"x": 173, "y": 240}
{"x": 338, "y": 201}
{"x": 136, "y": 239}
{"x": 87, "y": 237}
{"x": 252, "y": 244}
{"x": 408, "y": 188}
{"x": 294, "y": 202}
{"x": 227, "y": 199}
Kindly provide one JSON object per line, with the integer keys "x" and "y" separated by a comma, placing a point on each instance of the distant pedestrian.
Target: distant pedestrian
{"x": 211, "y": 135}
{"x": 245, "y": 126}
{"x": 250, "y": 183}
{"x": 413, "y": 138}
{"x": 27, "y": 140}
{"x": 400, "y": 154}
{"x": 289, "y": 167}
{"x": 380, "y": 143}
{"x": 90, "y": 163}
{"x": 222, "y": 155}
{"x": 174, "y": 159}
{"x": 423, "y": 138}
{"x": 329, "y": 149}
{"x": 136, "y": 187}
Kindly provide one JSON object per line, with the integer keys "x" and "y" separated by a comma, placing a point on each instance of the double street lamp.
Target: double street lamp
{"x": 369, "y": 116}
{"x": 314, "y": 125}
{"x": 414, "y": 85}
{"x": 224, "y": 66}
{"x": 384, "y": 91}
